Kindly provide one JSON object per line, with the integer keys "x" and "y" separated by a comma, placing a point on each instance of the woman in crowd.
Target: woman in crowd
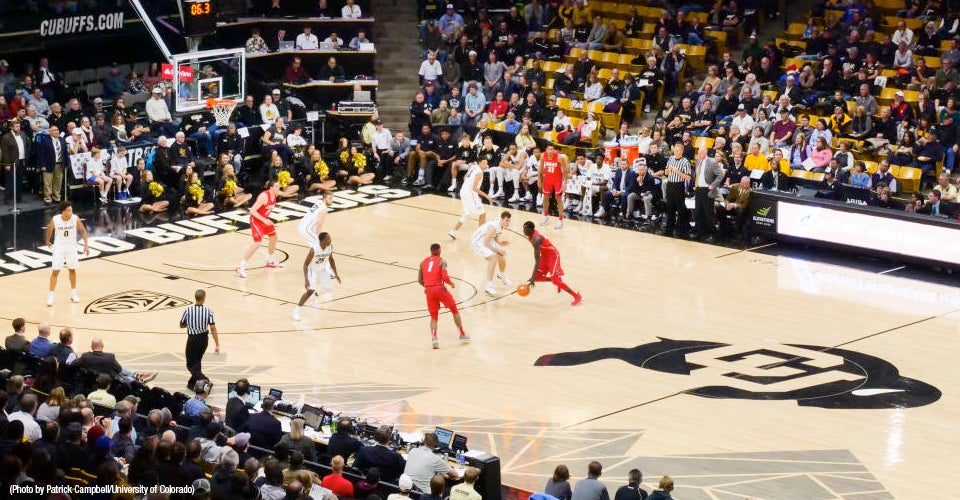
{"x": 153, "y": 76}
{"x": 903, "y": 153}
{"x": 296, "y": 440}
{"x": 497, "y": 109}
{"x": 859, "y": 177}
{"x": 134, "y": 85}
{"x": 861, "y": 125}
{"x": 584, "y": 130}
{"x": 843, "y": 156}
{"x": 819, "y": 153}
{"x": 558, "y": 486}
{"x": 524, "y": 140}
{"x": 760, "y": 140}
{"x": 592, "y": 88}
{"x": 49, "y": 411}
{"x": 713, "y": 78}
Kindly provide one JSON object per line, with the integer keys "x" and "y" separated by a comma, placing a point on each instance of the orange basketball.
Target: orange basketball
{"x": 523, "y": 289}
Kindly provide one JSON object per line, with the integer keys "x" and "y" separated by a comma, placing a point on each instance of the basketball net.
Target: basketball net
{"x": 221, "y": 109}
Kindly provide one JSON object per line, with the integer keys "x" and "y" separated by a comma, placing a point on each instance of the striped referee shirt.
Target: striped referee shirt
{"x": 198, "y": 319}
{"x": 682, "y": 164}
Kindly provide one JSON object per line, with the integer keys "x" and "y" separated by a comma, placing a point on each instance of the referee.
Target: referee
{"x": 678, "y": 173}
{"x": 198, "y": 320}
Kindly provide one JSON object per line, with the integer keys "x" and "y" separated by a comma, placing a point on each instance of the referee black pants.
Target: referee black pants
{"x": 196, "y": 347}
{"x": 678, "y": 217}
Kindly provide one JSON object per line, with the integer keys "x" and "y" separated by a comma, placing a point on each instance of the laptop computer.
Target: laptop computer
{"x": 253, "y": 395}
{"x": 459, "y": 444}
{"x": 444, "y": 438}
{"x": 276, "y": 394}
{"x": 327, "y": 46}
{"x": 312, "y": 416}
{"x": 362, "y": 96}
{"x": 287, "y": 45}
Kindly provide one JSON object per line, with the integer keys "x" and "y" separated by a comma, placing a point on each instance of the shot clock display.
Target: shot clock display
{"x": 199, "y": 17}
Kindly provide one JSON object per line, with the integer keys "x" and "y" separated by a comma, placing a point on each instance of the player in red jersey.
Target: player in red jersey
{"x": 433, "y": 275}
{"x": 546, "y": 262}
{"x": 553, "y": 174}
{"x": 261, "y": 225}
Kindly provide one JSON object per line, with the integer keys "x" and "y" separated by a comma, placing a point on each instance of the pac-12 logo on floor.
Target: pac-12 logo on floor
{"x": 812, "y": 375}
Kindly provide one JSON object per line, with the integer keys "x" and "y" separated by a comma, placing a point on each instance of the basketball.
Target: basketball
{"x": 523, "y": 289}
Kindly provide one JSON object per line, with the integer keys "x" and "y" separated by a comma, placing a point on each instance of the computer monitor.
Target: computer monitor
{"x": 253, "y": 395}
{"x": 444, "y": 436}
{"x": 276, "y": 394}
{"x": 362, "y": 96}
{"x": 459, "y": 443}
{"x": 312, "y": 416}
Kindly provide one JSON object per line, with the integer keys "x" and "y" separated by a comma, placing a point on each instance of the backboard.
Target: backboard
{"x": 199, "y": 76}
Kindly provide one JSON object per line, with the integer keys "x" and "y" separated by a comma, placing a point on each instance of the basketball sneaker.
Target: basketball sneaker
{"x": 453, "y": 234}
{"x": 74, "y": 297}
{"x": 296, "y": 313}
{"x": 539, "y": 199}
{"x": 50, "y": 299}
{"x": 515, "y": 198}
{"x": 464, "y": 338}
{"x": 436, "y": 343}
{"x": 577, "y": 300}
{"x": 274, "y": 264}
{"x": 527, "y": 197}
{"x": 453, "y": 186}
{"x": 490, "y": 290}
{"x": 559, "y": 224}
{"x": 544, "y": 221}
{"x": 504, "y": 278}
{"x": 241, "y": 272}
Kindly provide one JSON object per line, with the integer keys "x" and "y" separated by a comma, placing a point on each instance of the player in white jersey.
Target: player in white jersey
{"x": 486, "y": 242}
{"x": 529, "y": 174}
{"x": 319, "y": 271}
{"x": 470, "y": 194}
{"x": 595, "y": 183}
{"x": 311, "y": 225}
{"x": 579, "y": 175}
{"x": 64, "y": 228}
{"x": 511, "y": 163}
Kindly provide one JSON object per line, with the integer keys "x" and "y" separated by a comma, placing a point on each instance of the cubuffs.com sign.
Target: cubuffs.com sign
{"x": 82, "y": 24}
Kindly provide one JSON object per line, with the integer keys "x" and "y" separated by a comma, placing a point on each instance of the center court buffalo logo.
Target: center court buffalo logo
{"x": 133, "y": 301}
{"x": 812, "y": 375}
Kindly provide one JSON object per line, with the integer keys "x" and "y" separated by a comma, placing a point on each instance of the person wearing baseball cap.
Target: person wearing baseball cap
{"x": 451, "y": 23}
{"x": 159, "y": 114}
{"x": 646, "y": 191}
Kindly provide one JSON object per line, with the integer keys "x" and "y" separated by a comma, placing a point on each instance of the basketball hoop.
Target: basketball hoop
{"x": 221, "y": 109}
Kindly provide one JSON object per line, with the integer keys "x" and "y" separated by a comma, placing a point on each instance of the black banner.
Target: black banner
{"x": 763, "y": 214}
{"x": 82, "y": 24}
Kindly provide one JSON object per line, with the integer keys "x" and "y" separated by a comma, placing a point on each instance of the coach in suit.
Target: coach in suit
{"x": 738, "y": 202}
{"x": 14, "y": 151}
{"x": 623, "y": 183}
{"x": 707, "y": 176}
{"x": 264, "y": 428}
{"x": 98, "y": 361}
{"x": 52, "y": 156}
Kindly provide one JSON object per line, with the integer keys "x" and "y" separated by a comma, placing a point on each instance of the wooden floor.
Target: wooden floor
{"x": 366, "y": 350}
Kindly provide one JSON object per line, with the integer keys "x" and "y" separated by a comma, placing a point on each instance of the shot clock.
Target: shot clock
{"x": 199, "y": 17}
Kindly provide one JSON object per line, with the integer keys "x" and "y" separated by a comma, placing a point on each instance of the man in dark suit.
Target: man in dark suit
{"x": 828, "y": 188}
{"x": 707, "y": 175}
{"x": 775, "y": 179}
{"x": 52, "y": 156}
{"x": 14, "y": 151}
{"x": 386, "y": 460}
{"x": 342, "y": 442}
{"x": 105, "y": 362}
{"x": 236, "y": 413}
{"x": 623, "y": 183}
{"x": 263, "y": 427}
{"x": 738, "y": 202}
{"x": 933, "y": 206}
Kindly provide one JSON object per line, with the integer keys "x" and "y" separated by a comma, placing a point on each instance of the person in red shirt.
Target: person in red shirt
{"x": 553, "y": 174}
{"x": 335, "y": 482}
{"x": 432, "y": 276}
{"x": 261, "y": 225}
{"x": 295, "y": 73}
{"x": 546, "y": 262}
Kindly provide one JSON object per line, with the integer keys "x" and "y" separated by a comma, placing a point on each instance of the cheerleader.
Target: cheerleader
{"x": 352, "y": 165}
{"x": 193, "y": 200}
{"x": 319, "y": 178}
{"x": 288, "y": 189}
{"x": 231, "y": 194}
{"x": 154, "y": 194}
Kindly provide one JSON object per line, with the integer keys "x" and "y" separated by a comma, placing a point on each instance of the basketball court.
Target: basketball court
{"x": 742, "y": 374}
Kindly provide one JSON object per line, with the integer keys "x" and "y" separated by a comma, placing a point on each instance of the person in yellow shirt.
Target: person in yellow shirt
{"x": 948, "y": 192}
{"x": 755, "y": 160}
{"x": 465, "y": 490}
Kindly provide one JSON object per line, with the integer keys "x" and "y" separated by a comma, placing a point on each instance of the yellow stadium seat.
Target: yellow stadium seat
{"x": 707, "y": 142}
{"x": 595, "y": 55}
{"x": 794, "y": 31}
{"x": 908, "y": 179}
{"x": 605, "y": 74}
{"x": 609, "y": 59}
{"x": 550, "y": 67}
